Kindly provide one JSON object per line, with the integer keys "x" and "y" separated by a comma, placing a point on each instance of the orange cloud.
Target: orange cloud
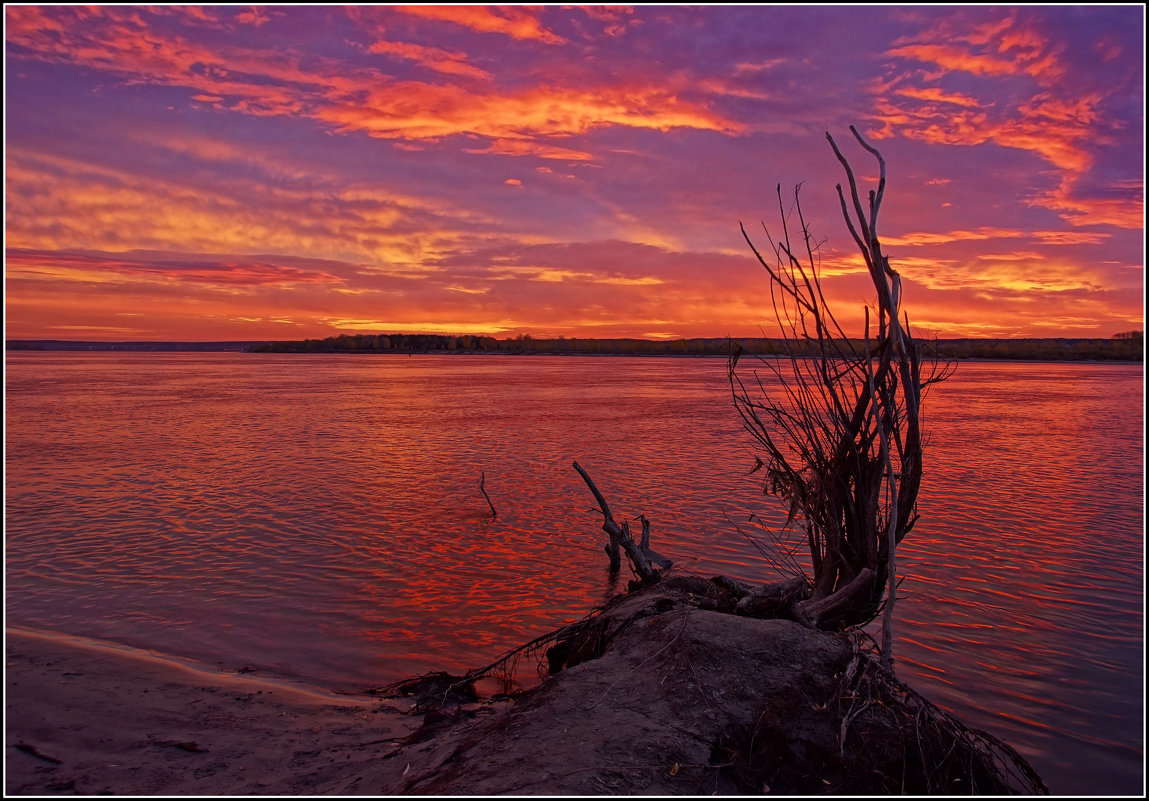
{"x": 617, "y": 19}
{"x": 1000, "y": 47}
{"x": 552, "y": 275}
{"x": 278, "y": 84}
{"x": 1069, "y": 237}
{"x": 198, "y": 16}
{"x": 920, "y": 238}
{"x": 444, "y": 324}
{"x": 254, "y": 15}
{"x": 102, "y": 268}
{"x": 514, "y": 21}
{"x": 24, "y": 22}
{"x": 437, "y": 59}
{"x": 1039, "y": 274}
{"x": 1122, "y": 207}
{"x": 1063, "y": 128}
{"x": 935, "y": 94}
{"x": 65, "y": 204}
{"x": 529, "y": 147}
{"x": 92, "y": 312}
{"x": 980, "y": 34}
{"x": 546, "y": 289}
{"x": 412, "y": 110}
{"x": 1007, "y": 314}
{"x": 1021, "y": 255}
{"x": 950, "y": 58}
{"x": 1048, "y": 129}
{"x": 121, "y": 42}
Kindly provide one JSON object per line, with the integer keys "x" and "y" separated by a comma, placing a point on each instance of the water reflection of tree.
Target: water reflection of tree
{"x": 839, "y": 425}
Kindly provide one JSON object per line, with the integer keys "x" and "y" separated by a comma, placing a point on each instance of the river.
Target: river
{"x": 319, "y": 517}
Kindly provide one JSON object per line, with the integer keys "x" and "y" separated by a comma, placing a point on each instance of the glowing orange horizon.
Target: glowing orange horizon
{"x": 298, "y": 173}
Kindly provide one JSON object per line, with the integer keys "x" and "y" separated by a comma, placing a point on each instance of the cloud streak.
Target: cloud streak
{"x": 276, "y": 172}
{"x": 1034, "y": 101}
{"x": 515, "y": 22}
{"x": 101, "y": 268}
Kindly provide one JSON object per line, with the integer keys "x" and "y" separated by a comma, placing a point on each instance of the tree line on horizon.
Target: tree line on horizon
{"x": 1127, "y": 346}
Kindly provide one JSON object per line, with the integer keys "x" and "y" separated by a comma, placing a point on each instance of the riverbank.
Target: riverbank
{"x": 1127, "y": 348}
{"x": 92, "y": 719}
{"x": 662, "y": 692}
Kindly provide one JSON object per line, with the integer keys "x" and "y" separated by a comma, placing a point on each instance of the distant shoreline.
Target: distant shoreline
{"x": 1127, "y": 349}
{"x": 166, "y": 347}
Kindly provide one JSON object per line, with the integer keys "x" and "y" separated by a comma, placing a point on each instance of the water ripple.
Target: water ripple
{"x": 320, "y": 517}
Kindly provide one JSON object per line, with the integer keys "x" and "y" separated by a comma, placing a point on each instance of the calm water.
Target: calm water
{"x": 319, "y": 517}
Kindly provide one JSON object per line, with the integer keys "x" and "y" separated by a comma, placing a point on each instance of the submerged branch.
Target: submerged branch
{"x": 640, "y": 557}
{"x": 483, "y": 489}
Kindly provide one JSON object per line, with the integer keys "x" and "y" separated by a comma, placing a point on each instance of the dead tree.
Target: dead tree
{"x": 840, "y": 422}
{"x": 642, "y": 560}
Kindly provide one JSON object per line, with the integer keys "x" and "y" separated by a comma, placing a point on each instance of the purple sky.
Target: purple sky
{"x": 279, "y": 172}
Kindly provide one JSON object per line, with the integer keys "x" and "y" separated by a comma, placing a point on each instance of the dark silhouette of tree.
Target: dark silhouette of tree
{"x": 839, "y": 423}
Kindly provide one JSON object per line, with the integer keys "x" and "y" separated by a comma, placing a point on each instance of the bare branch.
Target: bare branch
{"x": 640, "y": 556}
{"x": 838, "y": 420}
{"x": 483, "y": 489}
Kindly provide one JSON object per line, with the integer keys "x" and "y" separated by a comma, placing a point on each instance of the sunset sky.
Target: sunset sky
{"x": 253, "y": 173}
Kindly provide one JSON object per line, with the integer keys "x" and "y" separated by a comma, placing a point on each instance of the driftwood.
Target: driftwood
{"x": 644, "y": 546}
{"x": 642, "y": 559}
{"x": 837, "y": 610}
{"x": 772, "y": 600}
{"x": 735, "y": 588}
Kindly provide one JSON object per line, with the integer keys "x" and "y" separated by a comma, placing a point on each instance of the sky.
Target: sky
{"x": 279, "y": 172}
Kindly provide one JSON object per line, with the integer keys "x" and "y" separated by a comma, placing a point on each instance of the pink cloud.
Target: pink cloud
{"x": 1053, "y": 118}
{"x": 254, "y": 15}
{"x": 266, "y": 83}
{"x": 437, "y": 59}
{"x": 102, "y": 267}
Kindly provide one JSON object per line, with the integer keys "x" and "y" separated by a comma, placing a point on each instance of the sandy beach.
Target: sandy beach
{"x": 90, "y": 718}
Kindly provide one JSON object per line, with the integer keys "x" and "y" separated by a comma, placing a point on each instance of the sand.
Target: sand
{"x": 662, "y": 692}
{"x": 90, "y": 718}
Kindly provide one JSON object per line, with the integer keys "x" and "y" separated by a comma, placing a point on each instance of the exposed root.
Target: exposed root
{"x": 561, "y": 648}
{"x": 430, "y": 691}
{"x": 952, "y": 757}
{"x": 850, "y": 727}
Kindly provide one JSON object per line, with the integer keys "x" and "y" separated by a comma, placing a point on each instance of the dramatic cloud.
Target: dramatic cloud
{"x": 449, "y": 63}
{"x": 1025, "y": 89}
{"x": 102, "y": 268}
{"x": 512, "y": 21}
{"x": 260, "y": 172}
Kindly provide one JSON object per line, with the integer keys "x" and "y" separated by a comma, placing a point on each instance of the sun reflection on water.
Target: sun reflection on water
{"x": 320, "y": 517}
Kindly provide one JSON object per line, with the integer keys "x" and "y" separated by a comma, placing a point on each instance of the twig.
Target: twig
{"x": 483, "y": 489}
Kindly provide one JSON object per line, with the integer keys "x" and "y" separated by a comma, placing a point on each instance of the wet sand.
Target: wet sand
{"x": 92, "y": 718}
{"x": 661, "y": 692}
